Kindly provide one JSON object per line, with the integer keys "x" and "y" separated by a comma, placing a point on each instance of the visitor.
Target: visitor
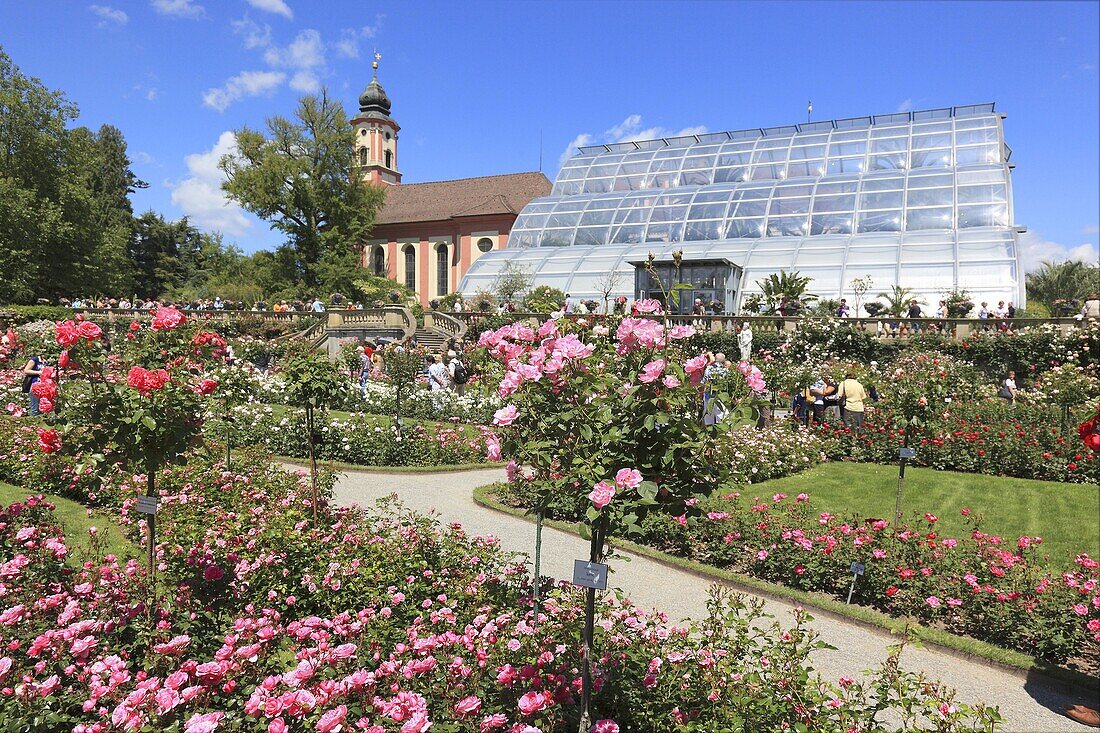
{"x": 230, "y": 355}
{"x": 458, "y": 373}
{"x": 438, "y": 376}
{"x": 854, "y": 396}
{"x": 1002, "y": 315}
{"x": 914, "y": 314}
{"x": 570, "y": 305}
{"x": 364, "y": 368}
{"x": 32, "y": 372}
{"x": 818, "y": 391}
{"x": 843, "y": 310}
{"x": 1011, "y": 310}
{"x": 833, "y": 407}
{"x": 318, "y": 306}
{"x": 458, "y": 304}
{"x": 983, "y": 315}
{"x": 1008, "y": 388}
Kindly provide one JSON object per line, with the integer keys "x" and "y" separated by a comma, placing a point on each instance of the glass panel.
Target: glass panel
{"x": 982, "y": 194}
{"x": 928, "y": 219}
{"x": 929, "y": 197}
{"x": 522, "y": 240}
{"x": 745, "y": 228}
{"x": 971, "y": 137}
{"x": 880, "y": 200}
{"x": 923, "y": 142}
{"x": 564, "y": 220}
{"x": 668, "y": 213}
{"x": 926, "y": 181}
{"x": 707, "y": 211}
{"x": 889, "y": 145}
{"x": 730, "y": 175}
{"x": 629, "y": 234}
{"x": 696, "y": 178}
{"x": 726, "y": 159}
{"x": 846, "y": 165}
{"x": 977, "y": 154}
{"x": 665, "y": 232}
{"x": 790, "y": 206}
{"x": 879, "y": 221}
{"x": 571, "y": 188}
{"x": 852, "y": 148}
{"x": 850, "y": 134}
{"x": 769, "y": 156}
{"x": 931, "y": 158}
{"x": 591, "y": 237}
{"x": 768, "y": 172}
{"x": 877, "y": 131}
{"x": 703, "y": 230}
{"x": 834, "y": 203}
{"x": 790, "y": 192}
{"x": 629, "y": 183}
{"x": 808, "y": 169}
{"x": 556, "y": 238}
{"x": 983, "y": 215}
{"x": 831, "y": 224}
{"x": 598, "y": 185}
{"x": 699, "y": 161}
{"x": 808, "y": 153}
{"x": 893, "y": 162}
{"x": 881, "y": 184}
{"x": 749, "y": 208}
{"x": 598, "y": 216}
{"x": 787, "y": 226}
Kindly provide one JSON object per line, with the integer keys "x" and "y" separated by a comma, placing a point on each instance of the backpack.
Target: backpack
{"x": 460, "y": 375}
{"x": 28, "y": 379}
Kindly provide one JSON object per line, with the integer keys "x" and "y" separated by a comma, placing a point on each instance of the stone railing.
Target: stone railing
{"x": 446, "y": 324}
{"x": 881, "y": 327}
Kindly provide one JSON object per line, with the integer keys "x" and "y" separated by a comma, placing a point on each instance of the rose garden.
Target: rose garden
{"x": 165, "y": 569}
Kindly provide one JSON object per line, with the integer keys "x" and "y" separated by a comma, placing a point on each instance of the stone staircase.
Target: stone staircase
{"x": 431, "y": 339}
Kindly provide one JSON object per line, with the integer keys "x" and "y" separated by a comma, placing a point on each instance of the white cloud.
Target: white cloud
{"x": 143, "y": 158}
{"x": 1034, "y": 250}
{"x": 1090, "y": 230}
{"x": 200, "y": 196}
{"x": 628, "y": 130}
{"x": 278, "y": 7}
{"x": 244, "y": 84}
{"x": 255, "y": 35}
{"x": 179, "y": 8}
{"x": 306, "y": 51}
{"x": 305, "y": 81}
{"x": 906, "y": 105}
{"x": 151, "y": 94}
{"x": 348, "y": 45}
{"x": 108, "y": 15}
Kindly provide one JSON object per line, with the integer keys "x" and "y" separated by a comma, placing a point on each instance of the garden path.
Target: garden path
{"x": 1027, "y": 704}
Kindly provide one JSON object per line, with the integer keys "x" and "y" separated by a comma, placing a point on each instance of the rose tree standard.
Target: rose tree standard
{"x": 611, "y": 418}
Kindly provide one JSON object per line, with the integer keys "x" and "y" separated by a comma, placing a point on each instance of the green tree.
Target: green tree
{"x": 302, "y": 177}
{"x": 1065, "y": 281}
{"x": 897, "y": 300}
{"x": 789, "y": 285}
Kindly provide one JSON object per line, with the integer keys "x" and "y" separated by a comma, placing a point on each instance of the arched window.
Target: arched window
{"x": 443, "y": 269}
{"x": 379, "y": 261}
{"x": 389, "y": 159}
{"x": 484, "y": 244}
{"x": 410, "y": 267}
{"x": 364, "y": 156}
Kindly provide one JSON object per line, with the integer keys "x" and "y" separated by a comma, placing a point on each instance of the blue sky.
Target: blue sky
{"x": 476, "y": 85}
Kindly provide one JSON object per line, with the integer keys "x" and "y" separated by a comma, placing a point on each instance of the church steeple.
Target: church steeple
{"x": 376, "y": 134}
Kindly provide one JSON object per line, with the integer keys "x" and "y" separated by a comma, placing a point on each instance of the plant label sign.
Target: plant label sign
{"x": 147, "y": 504}
{"x": 590, "y": 574}
{"x": 907, "y": 452}
{"x": 857, "y": 568}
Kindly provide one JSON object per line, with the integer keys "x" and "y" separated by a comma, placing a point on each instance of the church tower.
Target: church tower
{"x": 376, "y": 134}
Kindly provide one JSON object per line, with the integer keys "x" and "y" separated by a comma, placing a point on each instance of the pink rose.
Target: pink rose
{"x": 671, "y": 381}
{"x": 695, "y": 368}
{"x": 532, "y": 702}
{"x": 628, "y": 478}
{"x": 468, "y": 706}
{"x": 677, "y": 333}
{"x": 602, "y": 494}
{"x": 606, "y": 726}
{"x": 90, "y": 331}
{"x": 651, "y": 371}
{"x": 67, "y": 334}
{"x": 505, "y": 416}
{"x": 492, "y": 448}
{"x": 333, "y": 720}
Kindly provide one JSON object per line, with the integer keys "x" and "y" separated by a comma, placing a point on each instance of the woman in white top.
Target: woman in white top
{"x": 1008, "y": 388}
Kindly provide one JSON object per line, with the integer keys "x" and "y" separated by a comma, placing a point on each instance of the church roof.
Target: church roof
{"x": 442, "y": 200}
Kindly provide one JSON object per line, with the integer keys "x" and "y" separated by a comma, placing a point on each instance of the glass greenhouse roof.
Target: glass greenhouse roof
{"x": 921, "y": 196}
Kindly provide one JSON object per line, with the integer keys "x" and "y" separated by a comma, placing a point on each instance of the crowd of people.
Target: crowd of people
{"x": 314, "y": 305}
{"x": 445, "y": 370}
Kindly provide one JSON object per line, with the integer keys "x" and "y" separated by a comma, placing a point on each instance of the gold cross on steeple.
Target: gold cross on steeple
{"x": 377, "y": 58}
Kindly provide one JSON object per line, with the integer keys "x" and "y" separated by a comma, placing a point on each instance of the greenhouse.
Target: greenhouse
{"x": 918, "y": 199}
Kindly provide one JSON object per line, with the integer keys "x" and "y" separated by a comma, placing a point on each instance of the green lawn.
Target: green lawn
{"x": 74, "y": 519}
{"x": 1066, "y": 516}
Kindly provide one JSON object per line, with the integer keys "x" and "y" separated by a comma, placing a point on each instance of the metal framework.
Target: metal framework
{"x": 918, "y": 199}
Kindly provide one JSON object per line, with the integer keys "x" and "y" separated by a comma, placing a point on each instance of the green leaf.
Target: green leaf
{"x": 149, "y": 423}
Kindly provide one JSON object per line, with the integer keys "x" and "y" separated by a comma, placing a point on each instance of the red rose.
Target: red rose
{"x": 891, "y": 592}
{"x": 63, "y": 359}
{"x": 67, "y": 333}
{"x": 135, "y": 326}
{"x": 90, "y": 331}
{"x": 207, "y": 387}
{"x": 48, "y": 440}
{"x": 166, "y": 319}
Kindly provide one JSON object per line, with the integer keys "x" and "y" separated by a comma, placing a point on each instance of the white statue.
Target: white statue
{"x": 744, "y": 340}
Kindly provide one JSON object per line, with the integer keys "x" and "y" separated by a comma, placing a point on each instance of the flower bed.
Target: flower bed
{"x": 378, "y": 621}
{"x": 368, "y": 440}
{"x": 989, "y": 437}
{"x": 987, "y": 587}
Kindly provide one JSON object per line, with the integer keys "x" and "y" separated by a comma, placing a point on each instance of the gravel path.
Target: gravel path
{"x": 1025, "y": 704}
